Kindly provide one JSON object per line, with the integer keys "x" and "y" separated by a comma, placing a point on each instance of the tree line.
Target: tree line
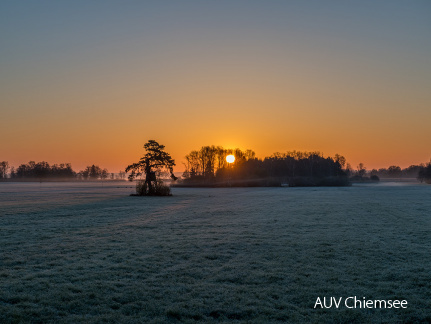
{"x": 205, "y": 162}
{"x": 43, "y": 170}
{"x": 208, "y": 166}
{"x": 394, "y": 171}
{"x": 422, "y": 172}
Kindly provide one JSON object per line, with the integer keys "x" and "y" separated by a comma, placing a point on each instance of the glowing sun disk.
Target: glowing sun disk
{"x": 230, "y": 158}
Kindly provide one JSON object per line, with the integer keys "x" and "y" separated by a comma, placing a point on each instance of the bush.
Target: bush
{"x": 374, "y": 178}
{"x": 141, "y": 188}
{"x": 158, "y": 189}
{"x": 425, "y": 173}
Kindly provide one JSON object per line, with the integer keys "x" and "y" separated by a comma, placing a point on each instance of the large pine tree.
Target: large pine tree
{"x": 155, "y": 159}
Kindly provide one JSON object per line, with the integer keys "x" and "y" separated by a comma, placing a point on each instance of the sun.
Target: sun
{"x": 230, "y": 158}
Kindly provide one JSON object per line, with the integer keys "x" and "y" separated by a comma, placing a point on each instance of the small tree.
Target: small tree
{"x": 425, "y": 173}
{"x": 4, "y": 166}
{"x": 104, "y": 174}
{"x": 154, "y": 160}
{"x": 394, "y": 171}
{"x": 361, "y": 170}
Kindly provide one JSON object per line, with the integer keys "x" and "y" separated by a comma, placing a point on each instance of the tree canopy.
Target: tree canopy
{"x": 425, "y": 173}
{"x": 154, "y": 159}
{"x": 208, "y": 167}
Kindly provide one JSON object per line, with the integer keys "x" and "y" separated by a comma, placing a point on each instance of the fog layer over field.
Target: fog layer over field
{"x": 74, "y": 252}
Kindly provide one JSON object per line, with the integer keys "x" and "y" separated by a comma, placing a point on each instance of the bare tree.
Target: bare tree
{"x": 4, "y": 166}
{"x": 340, "y": 159}
{"x": 361, "y": 170}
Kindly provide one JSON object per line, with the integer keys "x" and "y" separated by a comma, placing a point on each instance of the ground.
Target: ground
{"x": 91, "y": 253}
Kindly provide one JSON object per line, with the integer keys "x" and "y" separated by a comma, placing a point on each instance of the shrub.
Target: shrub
{"x": 425, "y": 173}
{"x": 158, "y": 189}
{"x": 374, "y": 178}
{"x": 141, "y": 188}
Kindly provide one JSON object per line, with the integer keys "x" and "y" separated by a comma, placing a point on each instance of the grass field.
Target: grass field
{"x": 90, "y": 253}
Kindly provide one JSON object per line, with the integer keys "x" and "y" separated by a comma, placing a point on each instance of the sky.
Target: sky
{"x": 90, "y": 82}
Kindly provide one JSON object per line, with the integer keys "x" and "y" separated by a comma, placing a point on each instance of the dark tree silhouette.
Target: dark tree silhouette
{"x": 394, "y": 171}
{"x": 362, "y": 170}
{"x": 295, "y": 168}
{"x": 4, "y": 166}
{"x": 155, "y": 159}
{"x": 94, "y": 172}
{"x": 425, "y": 173}
{"x": 42, "y": 170}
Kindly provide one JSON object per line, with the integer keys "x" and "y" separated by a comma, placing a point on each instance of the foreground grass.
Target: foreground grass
{"x": 216, "y": 255}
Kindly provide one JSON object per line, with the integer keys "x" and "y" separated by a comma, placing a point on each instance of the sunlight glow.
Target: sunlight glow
{"x": 230, "y": 158}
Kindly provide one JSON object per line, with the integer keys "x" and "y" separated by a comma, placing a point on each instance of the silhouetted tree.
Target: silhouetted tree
{"x": 296, "y": 168}
{"x": 221, "y": 157}
{"x": 42, "y": 170}
{"x": 205, "y": 164}
{"x": 374, "y": 178}
{"x": 155, "y": 159}
{"x": 349, "y": 169}
{"x": 122, "y": 175}
{"x": 412, "y": 171}
{"x": 104, "y": 174}
{"x": 394, "y": 171}
{"x": 207, "y": 158}
{"x": 193, "y": 166}
{"x": 93, "y": 172}
{"x": 425, "y": 173}
{"x": 340, "y": 159}
{"x": 361, "y": 170}
{"x": 64, "y": 170}
{"x": 4, "y": 166}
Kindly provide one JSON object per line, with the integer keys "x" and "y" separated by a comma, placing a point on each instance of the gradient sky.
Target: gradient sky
{"x": 91, "y": 81}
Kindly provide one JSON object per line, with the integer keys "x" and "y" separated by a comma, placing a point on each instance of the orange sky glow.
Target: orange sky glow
{"x": 92, "y": 88}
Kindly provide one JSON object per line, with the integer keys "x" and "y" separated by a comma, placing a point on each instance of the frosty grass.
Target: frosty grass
{"x": 74, "y": 252}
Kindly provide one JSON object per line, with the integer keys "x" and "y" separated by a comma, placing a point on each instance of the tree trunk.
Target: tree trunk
{"x": 150, "y": 187}
{"x": 150, "y": 176}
